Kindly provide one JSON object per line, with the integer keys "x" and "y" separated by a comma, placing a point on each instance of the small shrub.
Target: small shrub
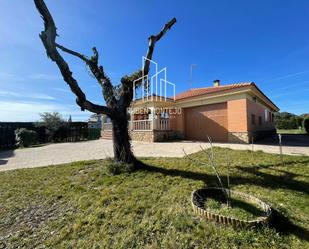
{"x": 25, "y": 137}
{"x": 306, "y": 125}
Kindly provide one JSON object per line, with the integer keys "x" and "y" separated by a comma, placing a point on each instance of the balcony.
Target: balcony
{"x": 144, "y": 125}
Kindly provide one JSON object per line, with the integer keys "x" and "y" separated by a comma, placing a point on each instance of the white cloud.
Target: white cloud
{"x": 10, "y": 94}
{"x": 290, "y": 75}
{"x": 289, "y": 93}
{"x": 7, "y": 77}
{"x": 41, "y": 96}
{"x": 25, "y": 95}
{"x": 61, "y": 90}
{"x": 43, "y": 76}
{"x": 29, "y": 111}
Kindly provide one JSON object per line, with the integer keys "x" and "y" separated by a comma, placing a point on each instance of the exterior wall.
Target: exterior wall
{"x": 237, "y": 121}
{"x": 266, "y": 127}
{"x": 237, "y": 115}
{"x": 177, "y": 124}
{"x": 240, "y": 127}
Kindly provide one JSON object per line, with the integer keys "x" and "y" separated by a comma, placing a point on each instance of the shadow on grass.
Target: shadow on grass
{"x": 281, "y": 223}
{"x": 285, "y": 181}
{"x": 286, "y": 163}
{"x": 218, "y": 196}
{"x": 250, "y": 208}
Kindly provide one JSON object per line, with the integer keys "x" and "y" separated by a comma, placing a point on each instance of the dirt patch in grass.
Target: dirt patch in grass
{"x": 30, "y": 223}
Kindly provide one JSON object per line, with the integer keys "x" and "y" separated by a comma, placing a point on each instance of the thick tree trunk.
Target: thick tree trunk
{"x": 121, "y": 141}
{"x": 115, "y": 104}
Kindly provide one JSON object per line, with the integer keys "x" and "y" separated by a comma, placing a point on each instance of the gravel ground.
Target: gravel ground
{"x": 53, "y": 154}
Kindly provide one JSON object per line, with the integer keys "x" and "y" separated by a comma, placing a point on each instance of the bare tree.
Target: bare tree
{"x": 117, "y": 98}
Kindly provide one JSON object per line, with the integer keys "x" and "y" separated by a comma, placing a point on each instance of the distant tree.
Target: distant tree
{"x": 284, "y": 115}
{"x": 117, "y": 98}
{"x": 299, "y": 121}
{"x": 306, "y": 124}
{"x": 52, "y": 121}
{"x": 286, "y": 120}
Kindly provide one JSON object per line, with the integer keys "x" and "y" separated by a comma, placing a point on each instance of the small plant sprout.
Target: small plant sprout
{"x": 211, "y": 148}
{"x": 228, "y": 176}
{"x": 211, "y": 163}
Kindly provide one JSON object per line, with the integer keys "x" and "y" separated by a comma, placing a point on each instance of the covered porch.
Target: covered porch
{"x": 149, "y": 118}
{"x": 142, "y": 127}
{"x": 149, "y": 121}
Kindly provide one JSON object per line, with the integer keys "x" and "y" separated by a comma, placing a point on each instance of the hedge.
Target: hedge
{"x": 71, "y": 132}
{"x": 25, "y": 137}
{"x": 306, "y": 125}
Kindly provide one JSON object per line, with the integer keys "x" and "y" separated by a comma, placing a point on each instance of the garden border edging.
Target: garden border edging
{"x": 198, "y": 208}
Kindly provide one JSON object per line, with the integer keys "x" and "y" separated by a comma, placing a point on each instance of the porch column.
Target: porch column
{"x": 152, "y": 118}
{"x": 131, "y": 119}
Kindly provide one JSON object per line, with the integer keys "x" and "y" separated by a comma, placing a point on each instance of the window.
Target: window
{"x": 269, "y": 115}
{"x": 272, "y": 117}
{"x": 266, "y": 116}
{"x": 260, "y": 121}
{"x": 253, "y": 119}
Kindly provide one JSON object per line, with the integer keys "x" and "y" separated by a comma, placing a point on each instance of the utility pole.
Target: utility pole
{"x": 191, "y": 70}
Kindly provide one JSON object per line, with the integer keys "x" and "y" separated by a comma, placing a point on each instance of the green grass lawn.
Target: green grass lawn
{"x": 292, "y": 131}
{"x": 78, "y": 205}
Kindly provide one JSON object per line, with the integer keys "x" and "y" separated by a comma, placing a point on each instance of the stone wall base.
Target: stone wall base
{"x": 145, "y": 136}
{"x": 246, "y": 137}
{"x": 155, "y": 135}
{"x": 238, "y": 137}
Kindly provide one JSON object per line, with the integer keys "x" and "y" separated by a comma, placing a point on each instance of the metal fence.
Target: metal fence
{"x": 70, "y": 132}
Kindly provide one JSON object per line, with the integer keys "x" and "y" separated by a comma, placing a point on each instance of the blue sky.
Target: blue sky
{"x": 262, "y": 41}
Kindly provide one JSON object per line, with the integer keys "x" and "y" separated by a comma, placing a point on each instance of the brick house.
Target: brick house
{"x": 226, "y": 113}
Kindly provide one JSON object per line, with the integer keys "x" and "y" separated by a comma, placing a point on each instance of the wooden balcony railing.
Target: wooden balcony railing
{"x": 144, "y": 125}
{"x": 141, "y": 125}
{"x": 163, "y": 124}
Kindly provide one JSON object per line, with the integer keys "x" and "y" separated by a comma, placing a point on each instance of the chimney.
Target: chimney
{"x": 216, "y": 83}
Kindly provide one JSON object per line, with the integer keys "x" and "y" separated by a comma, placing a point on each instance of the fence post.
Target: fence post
{"x": 280, "y": 148}
{"x": 252, "y": 149}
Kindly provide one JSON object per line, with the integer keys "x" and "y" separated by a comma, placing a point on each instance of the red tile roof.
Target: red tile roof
{"x": 208, "y": 90}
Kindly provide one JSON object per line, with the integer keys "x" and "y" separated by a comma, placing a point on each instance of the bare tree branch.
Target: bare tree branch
{"x": 69, "y": 51}
{"x": 152, "y": 42}
{"x": 48, "y": 37}
{"x": 97, "y": 72}
{"x": 127, "y": 81}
